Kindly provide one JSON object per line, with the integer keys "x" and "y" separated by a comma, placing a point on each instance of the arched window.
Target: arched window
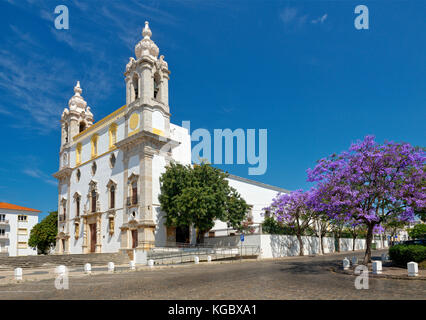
{"x": 93, "y": 197}
{"x": 94, "y": 142}
{"x": 156, "y": 86}
{"x": 134, "y": 192}
{"x": 77, "y": 199}
{"x": 78, "y": 175}
{"x": 66, "y": 133}
{"x": 112, "y": 135}
{"x": 78, "y": 154}
{"x": 112, "y": 197}
{"x": 135, "y": 82}
{"x": 82, "y": 126}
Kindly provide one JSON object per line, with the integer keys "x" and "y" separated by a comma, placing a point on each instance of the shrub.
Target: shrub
{"x": 401, "y": 254}
{"x": 272, "y": 226}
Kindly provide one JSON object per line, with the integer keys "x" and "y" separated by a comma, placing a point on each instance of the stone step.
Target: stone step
{"x": 7, "y": 263}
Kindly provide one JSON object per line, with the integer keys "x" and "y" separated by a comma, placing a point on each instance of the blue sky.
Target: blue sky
{"x": 299, "y": 69}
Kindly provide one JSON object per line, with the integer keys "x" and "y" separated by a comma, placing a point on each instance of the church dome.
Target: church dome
{"x": 77, "y": 102}
{"x": 146, "y": 46}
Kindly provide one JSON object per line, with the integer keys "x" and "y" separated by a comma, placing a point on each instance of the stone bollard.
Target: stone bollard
{"x": 384, "y": 257}
{"x": 150, "y": 263}
{"x": 88, "y": 268}
{"x": 377, "y": 267}
{"x": 196, "y": 260}
{"x": 132, "y": 265}
{"x": 111, "y": 266}
{"x": 18, "y": 274}
{"x": 209, "y": 258}
{"x": 354, "y": 261}
{"x": 346, "y": 264}
{"x": 413, "y": 269}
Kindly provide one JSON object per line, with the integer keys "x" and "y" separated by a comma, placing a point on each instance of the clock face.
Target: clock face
{"x": 134, "y": 121}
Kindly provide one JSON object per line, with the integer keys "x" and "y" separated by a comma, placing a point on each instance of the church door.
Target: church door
{"x": 134, "y": 238}
{"x": 93, "y": 237}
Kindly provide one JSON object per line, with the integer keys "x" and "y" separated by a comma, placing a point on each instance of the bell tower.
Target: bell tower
{"x": 147, "y": 87}
{"x": 75, "y": 119}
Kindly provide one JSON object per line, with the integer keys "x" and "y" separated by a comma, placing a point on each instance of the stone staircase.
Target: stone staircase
{"x": 69, "y": 260}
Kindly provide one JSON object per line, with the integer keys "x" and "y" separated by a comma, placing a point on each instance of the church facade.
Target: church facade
{"x": 108, "y": 180}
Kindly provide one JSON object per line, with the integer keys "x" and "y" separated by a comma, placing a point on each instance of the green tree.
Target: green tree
{"x": 393, "y": 226}
{"x": 43, "y": 234}
{"x": 418, "y": 231}
{"x": 198, "y": 195}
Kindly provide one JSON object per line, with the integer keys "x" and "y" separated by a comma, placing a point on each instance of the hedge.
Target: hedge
{"x": 401, "y": 254}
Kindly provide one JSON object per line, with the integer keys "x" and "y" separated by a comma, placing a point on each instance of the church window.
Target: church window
{"x": 78, "y": 154}
{"x": 112, "y": 135}
{"x": 78, "y": 175}
{"x": 134, "y": 192}
{"x": 82, "y": 126}
{"x": 94, "y": 142}
{"x": 93, "y": 200}
{"x": 136, "y": 86}
{"x": 94, "y": 168}
{"x": 77, "y": 230}
{"x": 112, "y": 160}
{"x": 112, "y": 197}
{"x": 77, "y": 206}
{"x": 156, "y": 85}
{"x": 66, "y": 133}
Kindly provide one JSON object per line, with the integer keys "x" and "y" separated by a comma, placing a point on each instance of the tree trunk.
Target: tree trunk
{"x": 299, "y": 237}
{"x": 353, "y": 243}
{"x": 200, "y": 237}
{"x": 322, "y": 245}
{"x": 368, "y": 240}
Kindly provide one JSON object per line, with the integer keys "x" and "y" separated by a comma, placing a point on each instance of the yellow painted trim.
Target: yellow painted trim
{"x": 101, "y": 155}
{"x": 158, "y": 131}
{"x": 133, "y": 132}
{"x": 99, "y": 123}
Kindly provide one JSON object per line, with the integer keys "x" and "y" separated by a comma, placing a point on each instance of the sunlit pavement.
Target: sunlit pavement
{"x": 288, "y": 278}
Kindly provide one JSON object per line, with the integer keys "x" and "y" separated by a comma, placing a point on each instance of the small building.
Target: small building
{"x": 16, "y": 223}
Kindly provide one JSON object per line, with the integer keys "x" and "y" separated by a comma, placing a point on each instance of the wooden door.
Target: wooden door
{"x": 93, "y": 237}
{"x": 134, "y": 238}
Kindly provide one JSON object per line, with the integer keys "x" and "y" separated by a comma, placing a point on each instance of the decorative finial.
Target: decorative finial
{"x": 77, "y": 89}
{"x": 146, "y": 32}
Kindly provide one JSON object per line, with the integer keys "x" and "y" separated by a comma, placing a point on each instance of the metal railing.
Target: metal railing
{"x": 177, "y": 253}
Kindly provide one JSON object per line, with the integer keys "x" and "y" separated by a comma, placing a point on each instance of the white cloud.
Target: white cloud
{"x": 320, "y": 19}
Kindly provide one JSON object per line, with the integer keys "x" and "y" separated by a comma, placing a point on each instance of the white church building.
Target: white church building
{"x": 109, "y": 170}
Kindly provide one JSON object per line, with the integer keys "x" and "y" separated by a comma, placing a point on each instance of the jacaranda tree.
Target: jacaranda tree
{"x": 372, "y": 183}
{"x": 293, "y": 210}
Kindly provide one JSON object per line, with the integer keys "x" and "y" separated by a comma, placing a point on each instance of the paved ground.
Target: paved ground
{"x": 288, "y": 278}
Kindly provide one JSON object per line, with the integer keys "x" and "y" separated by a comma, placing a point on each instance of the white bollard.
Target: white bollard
{"x": 377, "y": 267}
{"x": 346, "y": 264}
{"x": 132, "y": 265}
{"x": 413, "y": 269}
{"x": 88, "y": 268}
{"x": 196, "y": 260}
{"x": 354, "y": 261}
{"x": 150, "y": 263}
{"x": 61, "y": 270}
{"x": 111, "y": 266}
{"x": 209, "y": 258}
{"x": 18, "y": 274}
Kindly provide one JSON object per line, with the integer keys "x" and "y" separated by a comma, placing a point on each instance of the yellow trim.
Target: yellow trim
{"x": 78, "y": 153}
{"x": 158, "y": 131}
{"x": 112, "y": 135}
{"x": 100, "y": 122}
{"x": 133, "y": 132}
{"x": 94, "y": 143}
{"x": 101, "y": 155}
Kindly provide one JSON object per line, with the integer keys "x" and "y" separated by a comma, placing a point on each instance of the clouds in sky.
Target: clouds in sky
{"x": 293, "y": 18}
